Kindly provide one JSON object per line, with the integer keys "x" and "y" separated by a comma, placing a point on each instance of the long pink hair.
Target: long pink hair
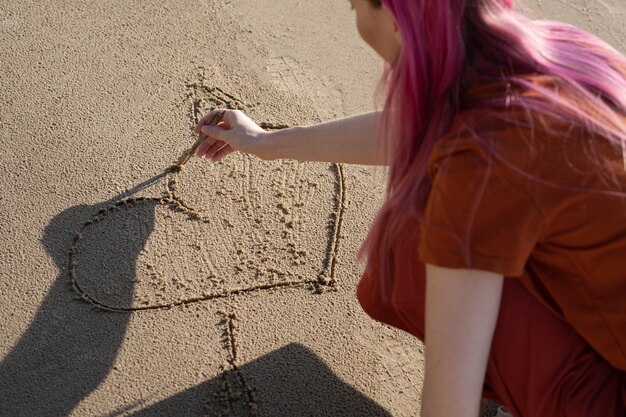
{"x": 445, "y": 43}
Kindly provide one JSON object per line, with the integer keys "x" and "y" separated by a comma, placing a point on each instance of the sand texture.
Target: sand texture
{"x": 128, "y": 288}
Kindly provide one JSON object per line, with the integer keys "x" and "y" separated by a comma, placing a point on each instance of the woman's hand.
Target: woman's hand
{"x": 351, "y": 140}
{"x": 236, "y": 132}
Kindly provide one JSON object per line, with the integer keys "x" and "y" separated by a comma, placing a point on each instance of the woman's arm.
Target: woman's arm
{"x": 461, "y": 313}
{"x": 351, "y": 140}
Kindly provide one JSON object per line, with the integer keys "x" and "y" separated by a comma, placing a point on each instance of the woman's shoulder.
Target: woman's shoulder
{"x": 523, "y": 102}
{"x": 554, "y": 160}
{"x": 500, "y": 131}
{"x": 516, "y": 125}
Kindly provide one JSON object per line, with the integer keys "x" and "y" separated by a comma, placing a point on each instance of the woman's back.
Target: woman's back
{"x": 530, "y": 196}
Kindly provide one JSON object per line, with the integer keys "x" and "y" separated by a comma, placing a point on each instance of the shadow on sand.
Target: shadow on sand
{"x": 68, "y": 349}
{"x": 288, "y": 382}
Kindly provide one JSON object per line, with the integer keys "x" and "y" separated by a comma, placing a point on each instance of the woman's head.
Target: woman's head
{"x": 443, "y": 47}
{"x": 378, "y": 28}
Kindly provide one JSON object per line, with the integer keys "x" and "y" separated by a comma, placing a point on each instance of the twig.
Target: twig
{"x": 184, "y": 158}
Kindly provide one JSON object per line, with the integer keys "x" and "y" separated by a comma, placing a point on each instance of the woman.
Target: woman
{"x": 505, "y": 142}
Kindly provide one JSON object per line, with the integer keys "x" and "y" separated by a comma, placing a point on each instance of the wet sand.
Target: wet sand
{"x": 223, "y": 289}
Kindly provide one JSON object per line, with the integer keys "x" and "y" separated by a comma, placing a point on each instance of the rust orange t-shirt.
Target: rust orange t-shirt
{"x": 537, "y": 199}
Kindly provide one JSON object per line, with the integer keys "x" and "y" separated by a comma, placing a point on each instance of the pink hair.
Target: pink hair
{"x": 447, "y": 41}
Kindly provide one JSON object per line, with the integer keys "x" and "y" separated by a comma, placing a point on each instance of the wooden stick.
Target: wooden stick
{"x": 184, "y": 158}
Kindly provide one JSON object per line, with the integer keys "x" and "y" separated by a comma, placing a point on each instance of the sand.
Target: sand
{"x": 236, "y": 281}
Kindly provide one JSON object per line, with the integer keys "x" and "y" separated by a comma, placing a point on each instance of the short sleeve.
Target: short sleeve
{"x": 481, "y": 212}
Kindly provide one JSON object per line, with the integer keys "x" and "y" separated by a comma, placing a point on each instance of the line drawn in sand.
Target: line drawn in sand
{"x": 236, "y": 395}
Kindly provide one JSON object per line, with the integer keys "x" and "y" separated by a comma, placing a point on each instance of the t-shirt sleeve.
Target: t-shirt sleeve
{"x": 481, "y": 212}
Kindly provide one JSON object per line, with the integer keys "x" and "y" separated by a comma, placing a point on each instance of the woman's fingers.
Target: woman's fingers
{"x": 223, "y": 153}
{"x": 217, "y": 133}
{"x": 230, "y": 118}
{"x": 235, "y": 132}
{"x": 204, "y": 147}
{"x": 204, "y": 120}
{"x": 210, "y": 153}
{"x": 209, "y": 148}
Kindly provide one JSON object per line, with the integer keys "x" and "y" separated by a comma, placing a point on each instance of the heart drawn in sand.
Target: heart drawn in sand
{"x": 217, "y": 231}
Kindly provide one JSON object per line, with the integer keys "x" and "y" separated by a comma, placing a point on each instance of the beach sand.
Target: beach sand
{"x": 230, "y": 286}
